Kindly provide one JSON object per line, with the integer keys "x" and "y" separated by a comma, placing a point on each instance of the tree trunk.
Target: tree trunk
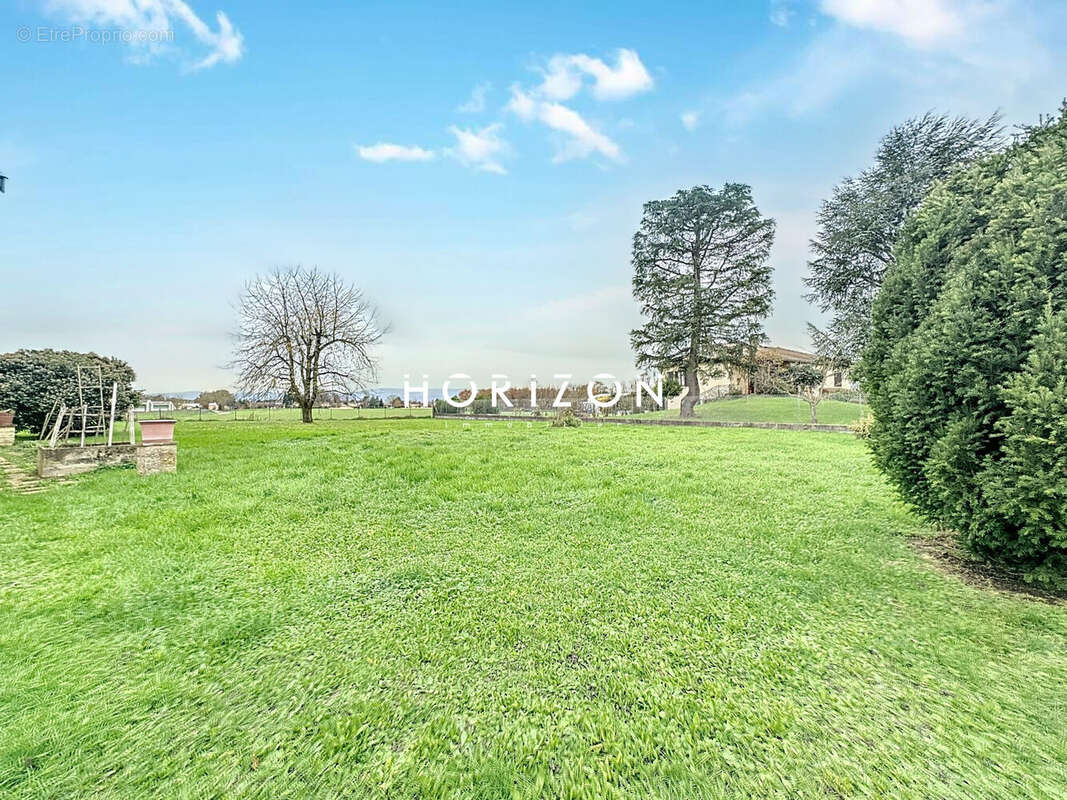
{"x": 689, "y": 402}
{"x": 814, "y": 415}
{"x": 305, "y": 412}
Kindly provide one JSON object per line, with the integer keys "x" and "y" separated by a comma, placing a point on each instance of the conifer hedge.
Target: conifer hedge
{"x": 966, "y": 369}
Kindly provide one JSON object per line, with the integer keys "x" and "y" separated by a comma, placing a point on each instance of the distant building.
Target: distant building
{"x": 152, "y": 406}
{"x": 717, "y": 381}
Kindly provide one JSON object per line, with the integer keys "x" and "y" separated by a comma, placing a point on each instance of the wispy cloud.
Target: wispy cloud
{"x": 387, "y": 151}
{"x": 476, "y": 102}
{"x": 690, "y": 120}
{"x": 922, "y": 22}
{"x": 586, "y": 305}
{"x": 580, "y": 138}
{"x": 781, "y": 13}
{"x": 563, "y": 76}
{"x": 225, "y": 44}
{"x": 481, "y": 148}
{"x": 937, "y": 52}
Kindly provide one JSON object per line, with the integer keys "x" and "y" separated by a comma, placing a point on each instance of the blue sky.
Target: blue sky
{"x": 479, "y": 169}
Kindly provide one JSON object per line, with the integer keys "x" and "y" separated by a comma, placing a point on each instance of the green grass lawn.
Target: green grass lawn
{"x": 765, "y": 408}
{"x": 423, "y": 609}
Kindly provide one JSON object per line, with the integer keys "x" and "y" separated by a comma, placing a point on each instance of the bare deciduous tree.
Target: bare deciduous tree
{"x": 303, "y": 332}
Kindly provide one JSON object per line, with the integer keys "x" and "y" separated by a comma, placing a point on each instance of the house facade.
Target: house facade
{"x": 718, "y": 381}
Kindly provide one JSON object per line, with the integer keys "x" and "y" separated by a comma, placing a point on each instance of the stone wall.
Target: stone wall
{"x": 157, "y": 457}
{"x": 149, "y": 459}
{"x": 637, "y": 419}
{"x": 7, "y": 436}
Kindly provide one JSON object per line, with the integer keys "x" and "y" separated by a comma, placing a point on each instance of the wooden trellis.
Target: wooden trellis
{"x": 92, "y": 416}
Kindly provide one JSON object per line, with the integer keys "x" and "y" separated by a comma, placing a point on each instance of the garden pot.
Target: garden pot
{"x": 157, "y": 430}
{"x": 7, "y": 419}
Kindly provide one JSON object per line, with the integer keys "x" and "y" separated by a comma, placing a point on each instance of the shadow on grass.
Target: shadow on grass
{"x": 950, "y": 558}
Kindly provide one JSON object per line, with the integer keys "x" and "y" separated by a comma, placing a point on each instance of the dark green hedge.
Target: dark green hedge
{"x": 32, "y": 380}
{"x": 966, "y": 366}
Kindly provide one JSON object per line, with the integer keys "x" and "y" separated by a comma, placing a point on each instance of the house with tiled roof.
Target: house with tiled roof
{"x": 718, "y": 381}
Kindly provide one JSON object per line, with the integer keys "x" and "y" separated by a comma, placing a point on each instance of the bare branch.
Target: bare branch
{"x": 303, "y": 333}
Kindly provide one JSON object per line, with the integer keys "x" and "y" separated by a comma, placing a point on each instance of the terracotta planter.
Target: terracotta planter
{"x": 7, "y": 419}
{"x": 157, "y": 430}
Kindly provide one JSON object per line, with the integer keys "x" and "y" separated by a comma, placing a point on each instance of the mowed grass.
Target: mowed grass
{"x": 423, "y": 609}
{"x": 768, "y": 408}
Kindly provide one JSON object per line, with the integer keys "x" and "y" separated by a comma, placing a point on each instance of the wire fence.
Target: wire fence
{"x": 284, "y": 414}
{"x": 834, "y": 408}
{"x": 839, "y": 408}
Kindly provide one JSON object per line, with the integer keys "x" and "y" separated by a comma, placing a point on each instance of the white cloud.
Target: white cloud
{"x": 968, "y": 56}
{"x": 480, "y": 149}
{"x": 224, "y": 45}
{"x": 563, "y": 76}
{"x": 386, "y": 151}
{"x": 581, "y": 139}
{"x": 690, "y": 119}
{"x": 521, "y": 103}
{"x": 781, "y": 13}
{"x": 476, "y": 103}
{"x": 562, "y": 81}
{"x": 627, "y": 78}
{"x": 922, "y": 22}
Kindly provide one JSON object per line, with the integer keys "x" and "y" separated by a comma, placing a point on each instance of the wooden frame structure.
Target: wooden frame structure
{"x": 97, "y": 417}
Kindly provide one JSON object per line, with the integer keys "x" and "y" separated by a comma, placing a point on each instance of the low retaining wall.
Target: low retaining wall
{"x": 7, "y": 435}
{"x": 678, "y": 423}
{"x": 150, "y": 459}
{"x": 157, "y": 457}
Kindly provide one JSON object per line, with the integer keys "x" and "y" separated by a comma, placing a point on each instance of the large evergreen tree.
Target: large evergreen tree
{"x": 702, "y": 279}
{"x": 965, "y": 368}
{"x": 860, "y": 223}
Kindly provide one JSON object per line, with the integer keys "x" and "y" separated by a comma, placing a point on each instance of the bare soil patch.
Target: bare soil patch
{"x": 950, "y": 558}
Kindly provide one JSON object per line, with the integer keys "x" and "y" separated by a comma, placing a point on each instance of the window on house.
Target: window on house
{"x": 838, "y": 377}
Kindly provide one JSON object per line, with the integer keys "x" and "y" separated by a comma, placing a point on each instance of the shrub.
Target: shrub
{"x": 441, "y": 406}
{"x": 483, "y": 405}
{"x": 31, "y": 381}
{"x": 967, "y": 355}
{"x": 1029, "y": 482}
{"x": 862, "y": 427}
{"x": 566, "y": 418}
